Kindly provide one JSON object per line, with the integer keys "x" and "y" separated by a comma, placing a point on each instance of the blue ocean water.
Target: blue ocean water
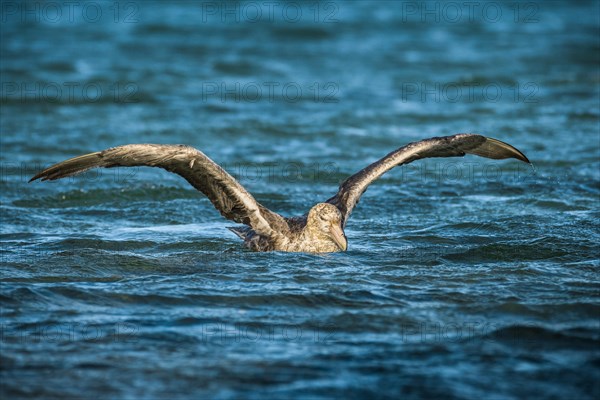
{"x": 464, "y": 278}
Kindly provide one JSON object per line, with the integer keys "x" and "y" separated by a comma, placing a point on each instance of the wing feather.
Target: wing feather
{"x": 225, "y": 192}
{"x": 458, "y": 145}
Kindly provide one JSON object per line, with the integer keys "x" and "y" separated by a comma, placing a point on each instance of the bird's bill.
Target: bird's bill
{"x": 338, "y": 237}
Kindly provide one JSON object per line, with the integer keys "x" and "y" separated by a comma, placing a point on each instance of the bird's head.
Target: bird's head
{"x": 325, "y": 222}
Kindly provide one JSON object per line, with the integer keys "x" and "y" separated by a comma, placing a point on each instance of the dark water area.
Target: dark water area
{"x": 465, "y": 278}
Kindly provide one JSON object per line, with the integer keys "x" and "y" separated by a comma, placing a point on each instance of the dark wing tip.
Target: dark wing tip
{"x": 508, "y": 150}
{"x": 42, "y": 174}
{"x": 498, "y": 150}
{"x": 49, "y": 174}
{"x": 70, "y": 167}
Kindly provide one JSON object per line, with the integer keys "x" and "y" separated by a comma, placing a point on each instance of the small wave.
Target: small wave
{"x": 543, "y": 249}
{"x": 538, "y": 336}
{"x": 301, "y": 32}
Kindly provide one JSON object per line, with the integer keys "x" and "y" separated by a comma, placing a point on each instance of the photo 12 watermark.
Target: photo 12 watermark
{"x": 326, "y": 12}
{"x": 69, "y": 92}
{"x": 69, "y": 332}
{"x": 22, "y": 172}
{"x": 454, "y": 12}
{"x": 469, "y": 92}
{"x": 269, "y": 91}
{"x": 467, "y": 331}
{"x": 286, "y": 172}
{"x": 239, "y": 333}
{"x": 70, "y": 12}
{"x": 464, "y": 170}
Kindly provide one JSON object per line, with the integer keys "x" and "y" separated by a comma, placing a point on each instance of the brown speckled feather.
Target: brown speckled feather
{"x": 225, "y": 193}
{"x": 458, "y": 145}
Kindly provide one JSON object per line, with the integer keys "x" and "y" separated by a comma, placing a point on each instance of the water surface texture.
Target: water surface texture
{"x": 465, "y": 278}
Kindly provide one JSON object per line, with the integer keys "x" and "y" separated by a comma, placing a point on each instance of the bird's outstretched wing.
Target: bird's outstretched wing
{"x": 352, "y": 188}
{"x": 226, "y": 193}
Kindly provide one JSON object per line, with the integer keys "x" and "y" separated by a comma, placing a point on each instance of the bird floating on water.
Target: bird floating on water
{"x": 321, "y": 230}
